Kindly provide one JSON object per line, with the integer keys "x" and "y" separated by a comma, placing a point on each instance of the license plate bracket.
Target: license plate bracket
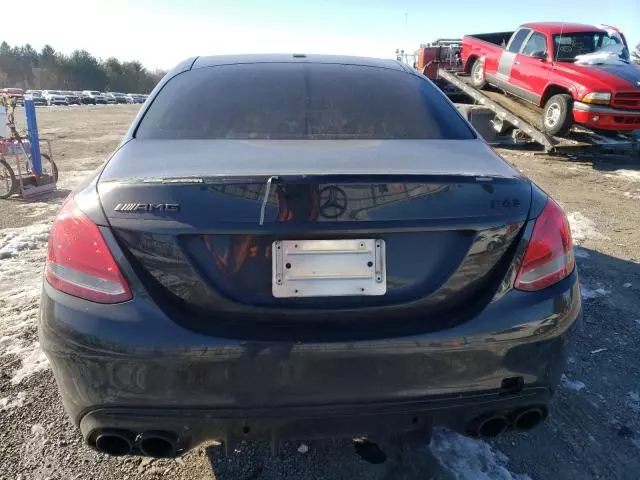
{"x": 328, "y": 268}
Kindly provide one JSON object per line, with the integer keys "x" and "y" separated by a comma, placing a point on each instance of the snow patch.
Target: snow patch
{"x": 34, "y": 362}
{"x": 21, "y": 263}
{"x": 633, "y": 175}
{"x": 589, "y": 293}
{"x": 22, "y": 255}
{"x": 580, "y": 253}
{"x": 37, "y": 429}
{"x": 34, "y": 450}
{"x": 470, "y": 459}
{"x": 582, "y": 228}
{"x": 8, "y": 403}
{"x": 15, "y": 240}
{"x": 576, "y": 385}
{"x": 634, "y": 401}
{"x": 632, "y": 196}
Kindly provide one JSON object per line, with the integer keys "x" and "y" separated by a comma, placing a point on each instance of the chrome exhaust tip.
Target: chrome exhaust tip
{"x": 114, "y": 442}
{"x": 492, "y": 426}
{"x": 529, "y": 418}
{"x": 157, "y": 444}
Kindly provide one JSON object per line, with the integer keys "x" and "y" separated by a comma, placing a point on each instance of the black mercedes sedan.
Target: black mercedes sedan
{"x": 293, "y": 246}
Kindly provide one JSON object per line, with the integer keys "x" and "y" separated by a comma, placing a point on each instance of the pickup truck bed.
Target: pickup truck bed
{"x": 499, "y": 38}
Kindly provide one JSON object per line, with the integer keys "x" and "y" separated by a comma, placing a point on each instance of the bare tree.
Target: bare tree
{"x": 636, "y": 54}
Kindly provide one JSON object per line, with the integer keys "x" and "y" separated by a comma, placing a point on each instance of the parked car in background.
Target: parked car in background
{"x": 84, "y": 99}
{"x": 129, "y": 98}
{"x": 55, "y": 97}
{"x": 110, "y": 98}
{"x": 17, "y": 93}
{"x": 95, "y": 96}
{"x": 38, "y": 99}
{"x": 137, "y": 98}
{"x": 575, "y": 73}
{"x": 72, "y": 98}
{"x": 366, "y": 263}
{"x": 120, "y": 97}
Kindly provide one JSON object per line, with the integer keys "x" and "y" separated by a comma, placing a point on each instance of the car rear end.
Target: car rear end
{"x": 37, "y": 97}
{"x": 57, "y": 98}
{"x": 72, "y": 98}
{"x": 331, "y": 252}
{"x": 99, "y": 98}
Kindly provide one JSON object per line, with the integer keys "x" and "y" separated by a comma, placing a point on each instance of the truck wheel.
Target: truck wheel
{"x": 477, "y": 74}
{"x": 557, "y": 116}
{"x": 8, "y": 183}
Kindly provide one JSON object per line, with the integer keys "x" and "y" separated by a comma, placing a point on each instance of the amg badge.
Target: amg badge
{"x": 147, "y": 207}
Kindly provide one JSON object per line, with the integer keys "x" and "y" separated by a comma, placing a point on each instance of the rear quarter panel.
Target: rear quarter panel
{"x": 473, "y": 48}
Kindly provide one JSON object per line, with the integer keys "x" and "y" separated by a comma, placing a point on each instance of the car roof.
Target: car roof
{"x": 555, "y": 28}
{"x": 216, "y": 60}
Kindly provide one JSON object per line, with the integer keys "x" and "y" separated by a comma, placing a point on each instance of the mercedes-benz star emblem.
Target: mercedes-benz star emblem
{"x": 333, "y": 202}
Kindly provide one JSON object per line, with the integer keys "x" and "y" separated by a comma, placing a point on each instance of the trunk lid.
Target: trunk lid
{"x": 198, "y": 220}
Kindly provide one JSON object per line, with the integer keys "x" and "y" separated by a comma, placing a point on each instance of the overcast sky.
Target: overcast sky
{"x": 160, "y": 33}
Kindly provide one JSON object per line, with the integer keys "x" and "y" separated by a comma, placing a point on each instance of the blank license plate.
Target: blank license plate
{"x": 328, "y": 268}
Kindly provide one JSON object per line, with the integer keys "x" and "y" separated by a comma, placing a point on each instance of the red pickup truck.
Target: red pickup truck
{"x": 599, "y": 89}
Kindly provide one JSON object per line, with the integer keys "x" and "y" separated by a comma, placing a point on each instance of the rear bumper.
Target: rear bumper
{"x": 130, "y": 367}
{"x": 606, "y": 118}
{"x": 193, "y": 426}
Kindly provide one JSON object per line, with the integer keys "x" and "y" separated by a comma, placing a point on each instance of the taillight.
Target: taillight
{"x": 549, "y": 255}
{"x": 79, "y": 262}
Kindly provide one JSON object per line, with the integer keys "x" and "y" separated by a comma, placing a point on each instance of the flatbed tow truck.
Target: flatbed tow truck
{"x": 515, "y": 121}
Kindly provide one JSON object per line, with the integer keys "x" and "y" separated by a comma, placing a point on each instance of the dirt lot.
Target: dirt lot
{"x": 593, "y": 430}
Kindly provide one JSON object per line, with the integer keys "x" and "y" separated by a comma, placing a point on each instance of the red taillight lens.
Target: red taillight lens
{"x": 549, "y": 256}
{"x": 79, "y": 262}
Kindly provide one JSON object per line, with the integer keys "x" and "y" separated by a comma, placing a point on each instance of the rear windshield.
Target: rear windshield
{"x": 300, "y": 101}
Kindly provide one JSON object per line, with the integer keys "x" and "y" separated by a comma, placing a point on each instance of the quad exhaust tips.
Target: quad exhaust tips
{"x": 160, "y": 444}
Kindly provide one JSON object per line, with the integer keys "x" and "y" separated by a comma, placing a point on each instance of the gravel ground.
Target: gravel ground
{"x": 593, "y": 430}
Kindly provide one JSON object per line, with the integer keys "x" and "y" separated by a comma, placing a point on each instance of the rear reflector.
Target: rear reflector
{"x": 79, "y": 262}
{"x": 549, "y": 255}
